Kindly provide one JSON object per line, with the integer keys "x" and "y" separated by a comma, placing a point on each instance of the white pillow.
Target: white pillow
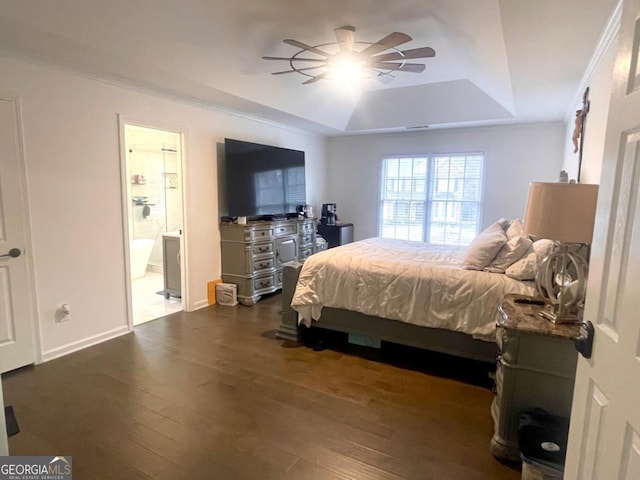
{"x": 527, "y": 266}
{"x": 509, "y": 254}
{"x": 514, "y": 229}
{"x": 515, "y": 248}
{"x": 484, "y": 248}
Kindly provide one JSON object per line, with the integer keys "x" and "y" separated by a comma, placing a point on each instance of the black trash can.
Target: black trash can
{"x": 543, "y": 444}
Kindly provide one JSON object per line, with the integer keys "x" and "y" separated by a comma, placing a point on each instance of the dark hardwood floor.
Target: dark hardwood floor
{"x": 214, "y": 395}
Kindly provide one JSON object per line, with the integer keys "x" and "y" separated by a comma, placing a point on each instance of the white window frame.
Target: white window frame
{"x": 428, "y": 196}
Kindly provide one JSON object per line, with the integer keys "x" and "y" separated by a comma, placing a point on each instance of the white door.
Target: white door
{"x": 16, "y": 321}
{"x": 604, "y": 439}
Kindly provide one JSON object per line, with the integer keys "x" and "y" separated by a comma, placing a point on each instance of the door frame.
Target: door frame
{"x": 34, "y": 314}
{"x": 183, "y": 132}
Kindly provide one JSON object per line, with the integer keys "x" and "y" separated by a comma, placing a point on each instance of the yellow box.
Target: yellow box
{"x": 211, "y": 290}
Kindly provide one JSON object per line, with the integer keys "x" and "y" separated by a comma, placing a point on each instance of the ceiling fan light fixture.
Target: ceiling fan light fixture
{"x": 353, "y": 60}
{"x": 347, "y": 67}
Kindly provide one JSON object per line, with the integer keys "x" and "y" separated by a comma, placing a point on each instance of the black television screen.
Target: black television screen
{"x": 262, "y": 180}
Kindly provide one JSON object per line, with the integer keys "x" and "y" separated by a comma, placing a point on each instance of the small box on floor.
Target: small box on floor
{"x": 227, "y": 294}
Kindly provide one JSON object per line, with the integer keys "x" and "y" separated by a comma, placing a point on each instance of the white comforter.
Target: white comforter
{"x": 412, "y": 282}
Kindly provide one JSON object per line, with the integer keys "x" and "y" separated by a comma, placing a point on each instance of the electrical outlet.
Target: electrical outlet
{"x": 63, "y": 313}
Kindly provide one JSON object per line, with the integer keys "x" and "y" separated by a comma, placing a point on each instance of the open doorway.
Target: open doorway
{"x": 153, "y": 166}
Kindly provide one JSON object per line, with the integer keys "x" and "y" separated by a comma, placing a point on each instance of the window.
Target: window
{"x": 435, "y": 199}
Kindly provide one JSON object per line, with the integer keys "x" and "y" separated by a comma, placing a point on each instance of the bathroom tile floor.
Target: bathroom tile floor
{"x": 147, "y": 303}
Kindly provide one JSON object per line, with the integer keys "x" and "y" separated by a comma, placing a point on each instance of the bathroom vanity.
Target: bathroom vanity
{"x": 171, "y": 262}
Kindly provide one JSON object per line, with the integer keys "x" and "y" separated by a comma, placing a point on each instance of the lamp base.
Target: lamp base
{"x": 561, "y": 279}
{"x": 550, "y": 314}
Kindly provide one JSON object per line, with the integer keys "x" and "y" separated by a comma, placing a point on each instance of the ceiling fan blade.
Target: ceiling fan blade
{"x": 297, "y": 70}
{"x": 304, "y": 46}
{"x": 344, "y": 35}
{"x": 400, "y": 67}
{"x": 316, "y": 78}
{"x": 296, "y": 59}
{"x": 392, "y": 40}
{"x": 424, "y": 52}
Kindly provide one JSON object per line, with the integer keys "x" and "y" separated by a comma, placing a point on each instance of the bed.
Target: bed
{"x": 404, "y": 292}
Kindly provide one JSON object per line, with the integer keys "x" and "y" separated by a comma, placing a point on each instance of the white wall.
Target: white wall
{"x": 600, "y": 83}
{"x": 72, "y": 157}
{"x": 515, "y": 156}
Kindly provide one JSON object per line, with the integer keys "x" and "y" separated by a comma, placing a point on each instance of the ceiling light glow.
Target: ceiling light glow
{"x": 346, "y": 67}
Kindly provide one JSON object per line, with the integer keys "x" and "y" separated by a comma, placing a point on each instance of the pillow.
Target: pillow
{"x": 504, "y": 223}
{"x": 527, "y": 266}
{"x": 484, "y": 248}
{"x": 510, "y": 253}
{"x": 544, "y": 248}
{"x": 515, "y": 248}
{"x": 514, "y": 229}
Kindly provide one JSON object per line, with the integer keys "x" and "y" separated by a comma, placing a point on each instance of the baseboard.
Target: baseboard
{"x": 199, "y": 304}
{"x": 84, "y": 343}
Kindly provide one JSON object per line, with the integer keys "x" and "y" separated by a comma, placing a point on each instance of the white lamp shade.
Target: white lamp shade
{"x": 561, "y": 211}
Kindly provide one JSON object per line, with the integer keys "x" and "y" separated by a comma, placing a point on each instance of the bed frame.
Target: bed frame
{"x": 436, "y": 339}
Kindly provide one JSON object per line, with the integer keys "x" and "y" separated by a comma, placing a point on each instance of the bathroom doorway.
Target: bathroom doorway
{"x": 153, "y": 179}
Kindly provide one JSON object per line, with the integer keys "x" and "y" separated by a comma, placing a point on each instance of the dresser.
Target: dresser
{"x": 253, "y": 254}
{"x": 536, "y": 368}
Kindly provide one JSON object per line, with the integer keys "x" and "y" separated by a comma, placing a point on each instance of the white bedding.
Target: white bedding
{"x": 412, "y": 282}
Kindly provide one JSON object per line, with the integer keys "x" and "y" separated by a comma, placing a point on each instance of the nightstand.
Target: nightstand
{"x": 337, "y": 234}
{"x": 536, "y": 368}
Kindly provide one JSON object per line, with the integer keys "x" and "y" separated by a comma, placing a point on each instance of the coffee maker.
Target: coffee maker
{"x": 329, "y": 214}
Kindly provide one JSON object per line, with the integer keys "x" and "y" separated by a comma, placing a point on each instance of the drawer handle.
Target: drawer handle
{"x": 264, "y": 284}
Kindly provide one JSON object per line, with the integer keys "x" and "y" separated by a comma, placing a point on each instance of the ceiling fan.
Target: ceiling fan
{"x": 347, "y": 58}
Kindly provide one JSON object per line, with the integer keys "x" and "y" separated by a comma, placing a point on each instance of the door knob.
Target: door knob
{"x": 584, "y": 340}
{"x": 14, "y": 252}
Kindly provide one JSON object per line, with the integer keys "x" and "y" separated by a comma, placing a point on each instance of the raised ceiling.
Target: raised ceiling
{"x": 497, "y": 61}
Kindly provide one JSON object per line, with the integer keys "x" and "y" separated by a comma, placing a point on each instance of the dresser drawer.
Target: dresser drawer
{"x": 262, "y": 264}
{"x": 305, "y": 253}
{"x": 264, "y": 283}
{"x": 306, "y": 239}
{"x": 262, "y": 232}
{"x": 262, "y": 248}
{"x": 307, "y": 228}
{"x": 288, "y": 229}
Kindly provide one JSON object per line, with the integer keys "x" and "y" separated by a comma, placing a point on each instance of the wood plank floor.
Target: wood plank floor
{"x": 213, "y": 394}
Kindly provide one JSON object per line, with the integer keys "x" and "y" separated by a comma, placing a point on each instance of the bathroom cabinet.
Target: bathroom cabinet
{"x": 171, "y": 264}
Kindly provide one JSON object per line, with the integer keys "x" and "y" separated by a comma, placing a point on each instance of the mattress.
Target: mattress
{"x": 407, "y": 281}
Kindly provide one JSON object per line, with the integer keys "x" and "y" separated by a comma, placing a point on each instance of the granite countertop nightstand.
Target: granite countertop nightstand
{"x": 526, "y": 317}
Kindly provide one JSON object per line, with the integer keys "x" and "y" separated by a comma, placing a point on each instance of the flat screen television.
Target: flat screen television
{"x": 261, "y": 180}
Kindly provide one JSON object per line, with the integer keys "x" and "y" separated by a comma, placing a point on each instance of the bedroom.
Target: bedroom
{"x": 71, "y": 150}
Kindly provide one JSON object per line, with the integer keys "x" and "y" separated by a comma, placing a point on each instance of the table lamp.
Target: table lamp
{"x": 564, "y": 213}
